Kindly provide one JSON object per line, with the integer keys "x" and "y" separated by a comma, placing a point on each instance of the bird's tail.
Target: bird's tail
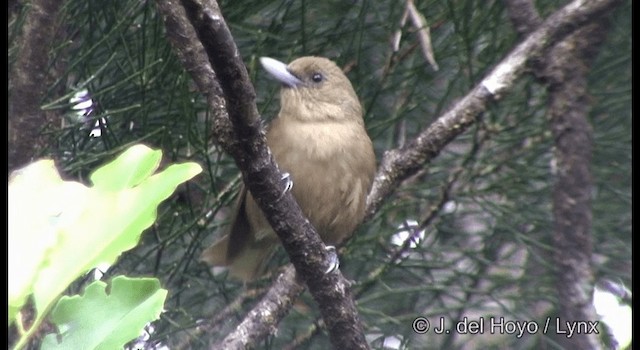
{"x": 248, "y": 264}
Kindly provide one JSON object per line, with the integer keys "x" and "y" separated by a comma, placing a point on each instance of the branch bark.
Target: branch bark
{"x": 27, "y": 83}
{"x": 261, "y": 174}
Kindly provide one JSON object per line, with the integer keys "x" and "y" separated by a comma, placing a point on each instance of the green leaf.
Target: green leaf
{"x": 40, "y": 203}
{"x": 129, "y": 169}
{"x": 106, "y": 320}
{"x": 59, "y": 230}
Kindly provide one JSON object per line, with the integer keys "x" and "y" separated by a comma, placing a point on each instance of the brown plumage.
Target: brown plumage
{"x": 319, "y": 138}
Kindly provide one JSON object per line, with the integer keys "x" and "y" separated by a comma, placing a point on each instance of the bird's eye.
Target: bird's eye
{"x": 317, "y": 77}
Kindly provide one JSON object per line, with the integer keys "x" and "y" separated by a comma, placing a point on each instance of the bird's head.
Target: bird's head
{"x": 314, "y": 89}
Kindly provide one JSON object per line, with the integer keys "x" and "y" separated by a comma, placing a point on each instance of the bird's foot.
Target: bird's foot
{"x": 288, "y": 183}
{"x": 334, "y": 262}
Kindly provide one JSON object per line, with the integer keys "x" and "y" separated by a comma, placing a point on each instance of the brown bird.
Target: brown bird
{"x": 319, "y": 138}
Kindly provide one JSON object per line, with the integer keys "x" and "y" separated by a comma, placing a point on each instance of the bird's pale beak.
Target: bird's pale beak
{"x": 280, "y": 71}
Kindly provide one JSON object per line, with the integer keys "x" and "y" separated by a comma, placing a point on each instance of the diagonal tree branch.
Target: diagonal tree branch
{"x": 275, "y": 304}
{"x": 262, "y": 177}
{"x": 399, "y": 164}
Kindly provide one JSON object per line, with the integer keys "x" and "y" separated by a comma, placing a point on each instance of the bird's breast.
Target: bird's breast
{"x": 331, "y": 165}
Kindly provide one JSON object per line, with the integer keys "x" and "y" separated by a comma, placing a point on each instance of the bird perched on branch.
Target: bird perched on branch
{"x": 319, "y": 138}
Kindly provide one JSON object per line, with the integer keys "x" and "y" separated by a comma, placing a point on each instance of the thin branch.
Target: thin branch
{"x": 423, "y": 32}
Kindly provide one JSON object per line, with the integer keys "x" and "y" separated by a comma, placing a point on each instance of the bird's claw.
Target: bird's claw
{"x": 334, "y": 262}
{"x": 288, "y": 183}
